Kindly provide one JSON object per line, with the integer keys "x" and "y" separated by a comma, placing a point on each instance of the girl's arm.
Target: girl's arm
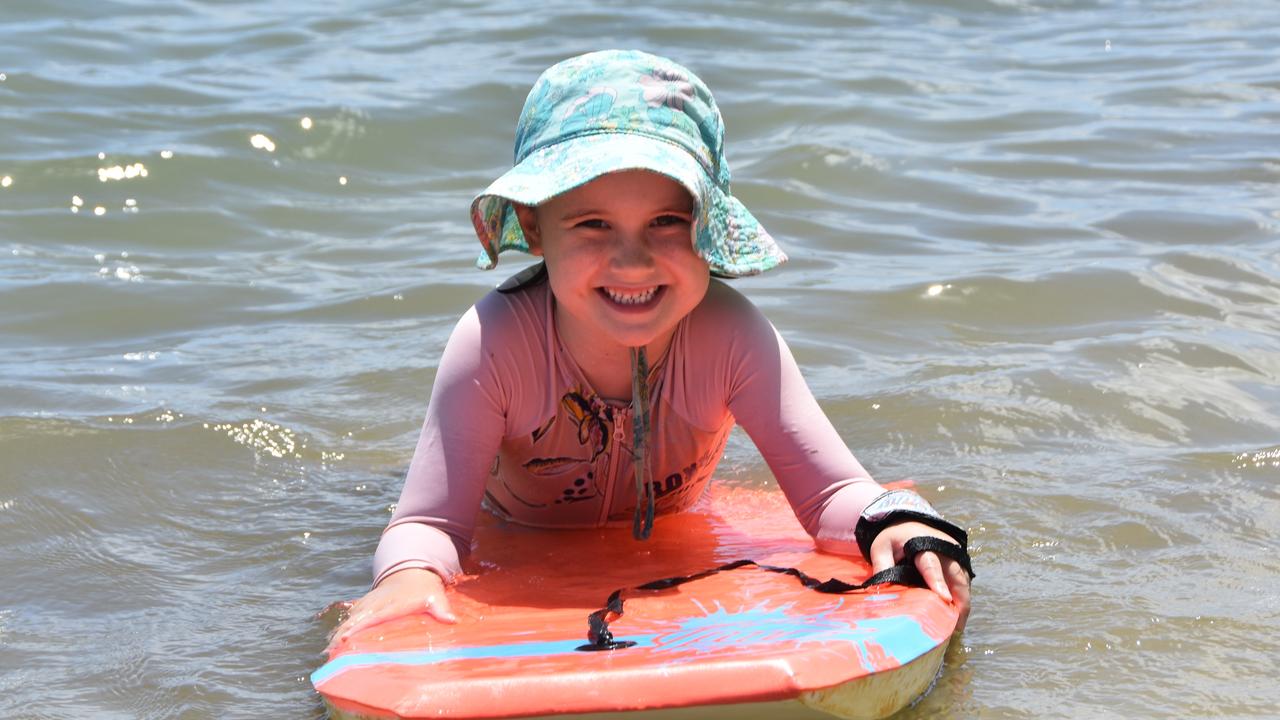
{"x": 430, "y": 531}
{"x": 432, "y": 525}
{"x": 826, "y": 486}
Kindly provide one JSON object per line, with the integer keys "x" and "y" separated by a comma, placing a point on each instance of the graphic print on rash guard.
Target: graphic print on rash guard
{"x": 594, "y": 420}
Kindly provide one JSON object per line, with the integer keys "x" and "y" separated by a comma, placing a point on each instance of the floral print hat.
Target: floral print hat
{"x": 624, "y": 110}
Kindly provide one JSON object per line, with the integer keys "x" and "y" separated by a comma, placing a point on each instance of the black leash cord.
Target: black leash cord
{"x": 600, "y": 637}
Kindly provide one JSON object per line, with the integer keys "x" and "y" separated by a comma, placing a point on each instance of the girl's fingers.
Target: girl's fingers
{"x": 373, "y": 610}
{"x": 353, "y": 609}
{"x": 438, "y": 608}
{"x": 931, "y": 569}
{"x": 336, "y": 605}
{"x": 359, "y": 619}
{"x": 958, "y": 582}
{"x": 881, "y": 555}
{"x": 367, "y": 612}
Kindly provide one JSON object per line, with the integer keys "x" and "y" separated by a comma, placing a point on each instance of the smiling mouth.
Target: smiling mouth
{"x": 631, "y": 297}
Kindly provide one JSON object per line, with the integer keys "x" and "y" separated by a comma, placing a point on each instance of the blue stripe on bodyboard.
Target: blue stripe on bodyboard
{"x": 430, "y": 657}
{"x": 901, "y": 637}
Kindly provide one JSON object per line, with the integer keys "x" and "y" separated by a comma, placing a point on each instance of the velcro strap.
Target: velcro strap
{"x": 926, "y": 543}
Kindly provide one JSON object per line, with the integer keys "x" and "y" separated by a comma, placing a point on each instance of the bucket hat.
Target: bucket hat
{"x": 624, "y": 110}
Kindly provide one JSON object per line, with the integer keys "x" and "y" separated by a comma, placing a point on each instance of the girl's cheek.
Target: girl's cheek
{"x": 673, "y": 238}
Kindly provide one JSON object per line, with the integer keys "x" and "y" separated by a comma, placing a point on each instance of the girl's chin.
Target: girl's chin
{"x": 634, "y": 338}
{"x": 628, "y": 343}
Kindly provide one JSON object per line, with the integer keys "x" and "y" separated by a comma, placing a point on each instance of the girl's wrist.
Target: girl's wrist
{"x": 898, "y": 506}
{"x": 410, "y": 573}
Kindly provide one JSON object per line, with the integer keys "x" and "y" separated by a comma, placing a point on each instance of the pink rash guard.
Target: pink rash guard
{"x": 513, "y": 424}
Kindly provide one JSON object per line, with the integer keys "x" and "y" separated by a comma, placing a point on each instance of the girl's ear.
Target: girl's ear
{"x": 528, "y": 218}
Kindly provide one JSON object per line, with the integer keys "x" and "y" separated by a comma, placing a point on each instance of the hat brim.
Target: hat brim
{"x": 725, "y": 234}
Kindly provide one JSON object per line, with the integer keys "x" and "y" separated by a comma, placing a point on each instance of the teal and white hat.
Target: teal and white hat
{"x": 624, "y": 110}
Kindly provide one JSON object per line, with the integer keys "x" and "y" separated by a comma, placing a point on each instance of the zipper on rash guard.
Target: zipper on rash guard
{"x": 621, "y": 418}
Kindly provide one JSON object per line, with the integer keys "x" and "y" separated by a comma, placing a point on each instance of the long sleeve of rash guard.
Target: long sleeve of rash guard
{"x": 825, "y": 484}
{"x": 433, "y": 522}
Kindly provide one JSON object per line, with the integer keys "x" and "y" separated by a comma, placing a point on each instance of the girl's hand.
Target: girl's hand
{"x": 944, "y": 575}
{"x": 406, "y": 592}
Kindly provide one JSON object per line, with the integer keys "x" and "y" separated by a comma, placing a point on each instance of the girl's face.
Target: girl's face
{"x": 620, "y": 259}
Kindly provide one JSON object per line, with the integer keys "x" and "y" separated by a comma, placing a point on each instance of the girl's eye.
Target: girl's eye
{"x": 668, "y": 220}
{"x": 594, "y": 224}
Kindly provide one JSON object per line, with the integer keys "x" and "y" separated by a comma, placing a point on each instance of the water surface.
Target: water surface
{"x": 1035, "y": 266}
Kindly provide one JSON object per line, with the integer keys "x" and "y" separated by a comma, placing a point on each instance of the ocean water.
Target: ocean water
{"x": 1035, "y": 266}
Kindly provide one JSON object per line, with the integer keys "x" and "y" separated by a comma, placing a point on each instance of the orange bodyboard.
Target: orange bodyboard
{"x": 744, "y": 635}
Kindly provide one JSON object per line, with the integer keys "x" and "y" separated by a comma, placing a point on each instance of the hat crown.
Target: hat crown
{"x": 624, "y": 91}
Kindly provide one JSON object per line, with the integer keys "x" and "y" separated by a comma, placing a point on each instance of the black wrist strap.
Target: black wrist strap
{"x": 867, "y": 530}
{"x": 926, "y": 543}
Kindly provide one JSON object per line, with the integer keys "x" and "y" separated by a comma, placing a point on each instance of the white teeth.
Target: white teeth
{"x": 624, "y": 297}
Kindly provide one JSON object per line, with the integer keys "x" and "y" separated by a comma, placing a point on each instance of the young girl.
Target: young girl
{"x": 601, "y": 385}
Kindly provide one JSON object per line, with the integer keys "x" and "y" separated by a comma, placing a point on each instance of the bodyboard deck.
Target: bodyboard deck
{"x": 742, "y": 636}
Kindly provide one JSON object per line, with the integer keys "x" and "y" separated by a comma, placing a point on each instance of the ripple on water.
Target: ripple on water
{"x": 1184, "y": 228}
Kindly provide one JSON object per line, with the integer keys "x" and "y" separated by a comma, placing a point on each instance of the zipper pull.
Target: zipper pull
{"x": 619, "y": 419}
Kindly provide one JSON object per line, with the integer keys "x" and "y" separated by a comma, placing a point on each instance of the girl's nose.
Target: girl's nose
{"x": 632, "y": 251}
